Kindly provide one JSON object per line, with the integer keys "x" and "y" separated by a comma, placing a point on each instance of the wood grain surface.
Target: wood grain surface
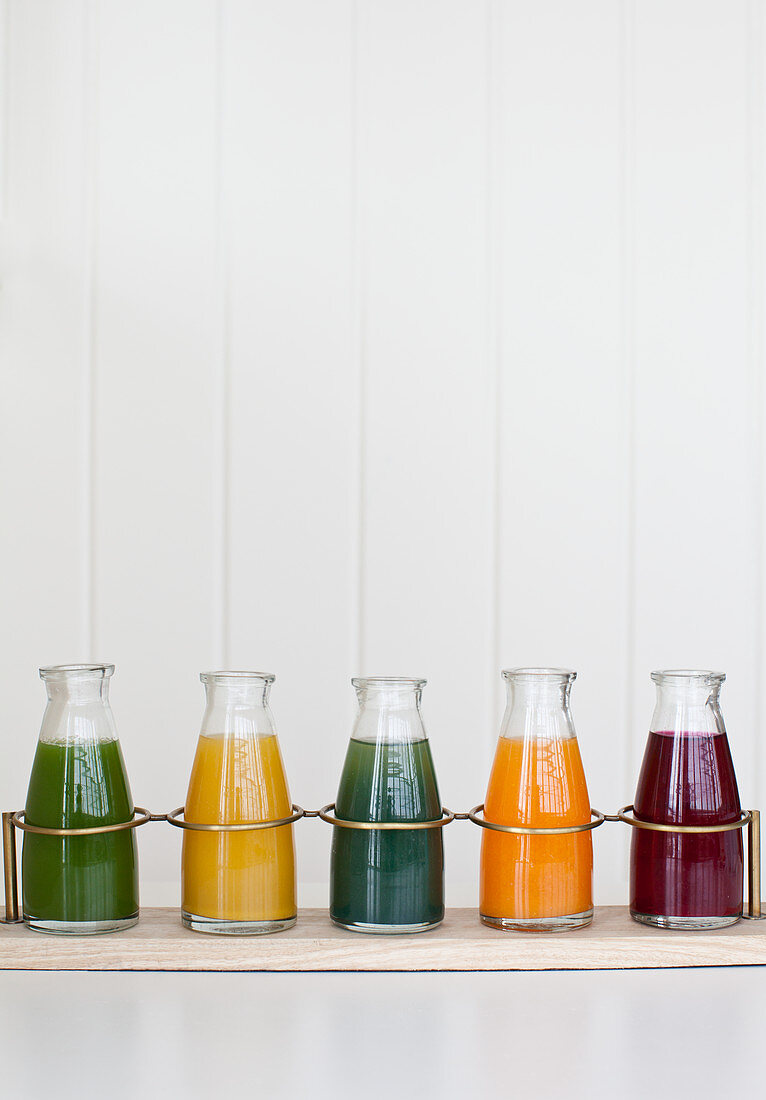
{"x": 159, "y": 942}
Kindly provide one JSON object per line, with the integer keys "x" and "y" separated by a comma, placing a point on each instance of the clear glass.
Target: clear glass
{"x": 537, "y": 883}
{"x": 79, "y": 884}
{"x": 388, "y": 881}
{"x": 238, "y": 882}
{"x": 677, "y": 880}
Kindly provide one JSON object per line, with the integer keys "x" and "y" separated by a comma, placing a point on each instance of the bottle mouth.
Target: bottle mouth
{"x": 687, "y": 676}
{"x": 237, "y": 677}
{"x": 539, "y": 675}
{"x": 69, "y": 672}
{"x": 391, "y": 682}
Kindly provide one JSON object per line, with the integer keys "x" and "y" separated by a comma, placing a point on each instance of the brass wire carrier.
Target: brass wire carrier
{"x": 13, "y": 821}
{"x": 240, "y": 827}
{"x": 144, "y": 816}
{"x": 745, "y": 817}
{"x": 597, "y": 818}
{"x": 374, "y": 826}
{"x": 750, "y": 819}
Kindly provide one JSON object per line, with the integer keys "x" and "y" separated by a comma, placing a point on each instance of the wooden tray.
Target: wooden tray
{"x": 159, "y": 942}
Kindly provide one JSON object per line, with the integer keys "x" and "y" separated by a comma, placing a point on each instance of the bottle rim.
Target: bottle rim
{"x": 236, "y": 676}
{"x": 62, "y": 672}
{"x": 552, "y": 674}
{"x": 388, "y": 681}
{"x": 687, "y": 675}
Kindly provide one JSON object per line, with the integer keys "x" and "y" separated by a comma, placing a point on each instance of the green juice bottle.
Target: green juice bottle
{"x": 388, "y": 880}
{"x": 79, "y": 884}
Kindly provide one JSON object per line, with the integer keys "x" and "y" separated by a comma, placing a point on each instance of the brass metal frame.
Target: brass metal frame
{"x": 13, "y": 821}
{"x": 374, "y": 826}
{"x": 523, "y": 830}
{"x": 754, "y": 867}
{"x": 9, "y": 867}
{"x": 239, "y": 827}
{"x": 750, "y": 819}
{"x": 636, "y": 823}
{"x": 145, "y": 816}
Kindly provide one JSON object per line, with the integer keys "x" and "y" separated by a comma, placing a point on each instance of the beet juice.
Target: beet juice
{"x": 687, "y": 880}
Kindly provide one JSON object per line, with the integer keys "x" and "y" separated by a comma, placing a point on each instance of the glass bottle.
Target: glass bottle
{"x": 537, "y": 883}
{"x": 387, "y": 880}
{"x": 238, "y": 882}
{"x": 79, "y": 884}
{"x": 687, "y": 880}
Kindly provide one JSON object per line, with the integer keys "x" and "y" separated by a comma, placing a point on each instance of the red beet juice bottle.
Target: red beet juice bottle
{"x": 687, "y": 880}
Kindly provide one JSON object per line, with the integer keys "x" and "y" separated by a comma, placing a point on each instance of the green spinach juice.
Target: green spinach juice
{"x": 387, "y": 880}
{"x": 79, "y": 883}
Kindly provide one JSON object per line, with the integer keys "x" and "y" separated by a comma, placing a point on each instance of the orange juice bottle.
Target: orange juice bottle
{"x": 238, "y": 881}
{"x": 537, "y": 883}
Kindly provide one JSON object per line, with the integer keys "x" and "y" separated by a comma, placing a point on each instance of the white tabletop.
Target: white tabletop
{"x": 648, "y": 1033}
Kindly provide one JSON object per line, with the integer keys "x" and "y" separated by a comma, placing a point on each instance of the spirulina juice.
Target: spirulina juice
{"x": 387, "y": 880}
{"x": 77, "y": 884}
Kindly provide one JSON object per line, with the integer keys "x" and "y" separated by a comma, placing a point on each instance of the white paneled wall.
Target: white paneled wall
{"x": 417, "y": 337}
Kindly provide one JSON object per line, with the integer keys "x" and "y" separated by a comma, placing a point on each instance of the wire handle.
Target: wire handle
{"x": 13, "y": 821}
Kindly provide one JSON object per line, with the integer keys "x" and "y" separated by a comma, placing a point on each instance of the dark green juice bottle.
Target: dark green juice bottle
{"x": 388, "y": 880}
{"x": 79, "y": 884}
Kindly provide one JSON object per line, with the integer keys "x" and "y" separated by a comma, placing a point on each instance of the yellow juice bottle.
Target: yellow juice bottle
{"x": 238, "y": 881}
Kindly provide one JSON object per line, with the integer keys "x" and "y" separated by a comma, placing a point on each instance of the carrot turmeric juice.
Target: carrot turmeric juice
{"x": 238, "y": 881}
{"x": 532, "y": 882}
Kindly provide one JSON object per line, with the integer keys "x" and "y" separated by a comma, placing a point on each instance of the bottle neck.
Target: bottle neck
{"x": 237, "y": 705}
{"x": 537, "y": 704}
{"x": 78, "y": 705}
{"x": 78, "y": 692}
{"x": 389, "y": 710}
{"x": 687, "y": 701}
{"x": 687, "y": 708}
{"x": 237, "y": 695}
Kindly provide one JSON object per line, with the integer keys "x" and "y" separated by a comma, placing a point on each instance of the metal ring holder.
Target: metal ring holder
{"x": 749, "y": 818}
{"x": 744, "y": 818}
{"x": 13, "y": 821}
{"x": 19, "y": 821}
{"x": 240, "y": 827}
{"x": 373, "y": 826}
{"x": 597, "y": 818}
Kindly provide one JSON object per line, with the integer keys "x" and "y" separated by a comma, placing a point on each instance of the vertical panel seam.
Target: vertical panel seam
{"x": 755, "y": 286}
{"x": 494, "y": 281}
{"x": 221, "y": 373}
{"x": 627, "y": 324}
{"x": 5, "y": 106}
{"x": 358, "y": 323}
{"x": 89, "y": 381}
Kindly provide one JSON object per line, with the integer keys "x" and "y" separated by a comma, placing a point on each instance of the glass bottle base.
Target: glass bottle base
{"x": 683, "y": 924}
{"x": 80, "y": 927}
{"x": 218, "y": 927}
{"x": 386, "y": 929}
{"x": 567, "y": 923}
